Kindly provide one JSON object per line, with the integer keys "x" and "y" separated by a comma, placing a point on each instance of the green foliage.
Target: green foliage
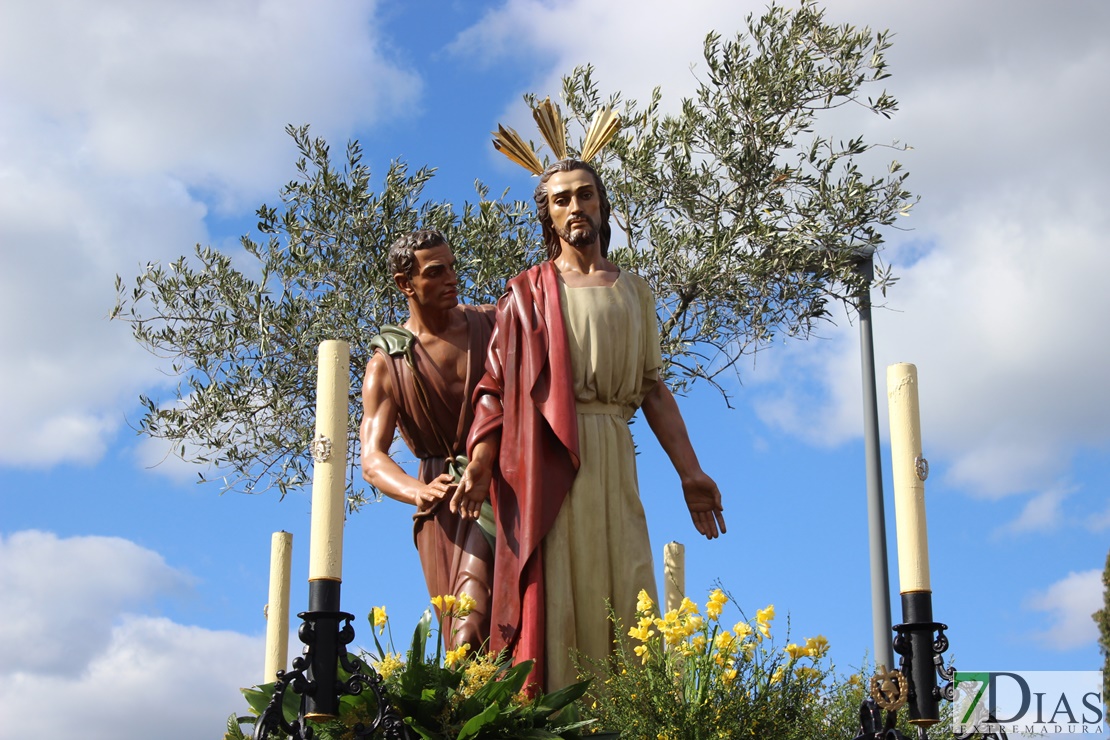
{"x": 687, "y": 675}
{"x": 684, "y": 675}
{"x": 690, "y": 677}
{"x": 745, "y": 222}
{"x": 1102, "y": 619}
{"x": 457, "y": 696}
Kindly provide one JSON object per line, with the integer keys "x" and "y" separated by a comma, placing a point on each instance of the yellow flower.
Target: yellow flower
{"x": 476, "y": 674}
{"x": 643, "y": 601}
{"x": 777, "y": 675}
{"x": 795, "y": 651}
{"x": 378, "y": 618}
{"x": 724, "y": 641}
{"x": 646, "y": 621}
{"x": 437, "y": 602}
{"x": 747, "y": 650}
{"x": 699, "y": 642}
{"x": 763, "y": 619}
{"x": 728, "y": 676}
{"x": 687, "y": 606}
{"x": 642, "y": 651}
{"x": 716, "y": 602}
{"x": 466, "y": 605}
{"x": 641, "y": 633}
{"x": 693, "y": 624}
{"x": 455, "y": 656}
{"x": 449, "y": 602}
{"x": 817, "y": 646}
{"x": 388, "y": 665}
{"x": 742, "y": 629}
{"x": 855, "y": 680}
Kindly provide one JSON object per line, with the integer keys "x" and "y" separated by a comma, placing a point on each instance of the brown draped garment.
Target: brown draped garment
{"x": 456, "y": 556}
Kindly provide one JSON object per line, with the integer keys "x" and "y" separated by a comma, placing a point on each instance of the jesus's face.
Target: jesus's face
{"x": 574, "y": 207}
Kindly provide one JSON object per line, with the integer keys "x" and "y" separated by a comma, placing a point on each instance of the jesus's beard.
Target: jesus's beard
{"x": 581, "y": 235}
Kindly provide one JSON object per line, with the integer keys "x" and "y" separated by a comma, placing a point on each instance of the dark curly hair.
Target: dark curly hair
{"x": 550, "y": 238}
{"x": 402, "y": 257}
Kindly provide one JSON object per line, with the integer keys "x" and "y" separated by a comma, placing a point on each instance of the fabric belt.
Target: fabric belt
{"x": 609, "y": 409}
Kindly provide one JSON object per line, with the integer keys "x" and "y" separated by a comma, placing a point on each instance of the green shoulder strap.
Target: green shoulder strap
{"x": 393, "y": 341}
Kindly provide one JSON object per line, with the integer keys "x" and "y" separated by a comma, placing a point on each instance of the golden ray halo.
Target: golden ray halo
{"x": 606, "y": 123}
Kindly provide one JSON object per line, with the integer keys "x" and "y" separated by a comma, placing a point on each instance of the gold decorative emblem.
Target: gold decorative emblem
{"x": 889, "y": 689}
{"x": 321, "y": 448}
{"x": 605, "y": 125}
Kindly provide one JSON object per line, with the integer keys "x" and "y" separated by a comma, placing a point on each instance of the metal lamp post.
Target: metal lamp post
{"x": 876, "y": 517}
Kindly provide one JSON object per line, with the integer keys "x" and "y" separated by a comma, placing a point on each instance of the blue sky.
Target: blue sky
{"x": 130, "y": 131}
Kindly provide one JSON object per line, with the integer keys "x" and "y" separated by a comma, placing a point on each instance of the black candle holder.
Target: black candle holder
{"x": 920, "y": 644}
{"x": 315, "y": 676}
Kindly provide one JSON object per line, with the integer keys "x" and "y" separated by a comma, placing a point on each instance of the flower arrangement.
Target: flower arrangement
{"x": 685, "y": 675}
{"x": 460, "y": 694}
{"x": 681, "y": 675}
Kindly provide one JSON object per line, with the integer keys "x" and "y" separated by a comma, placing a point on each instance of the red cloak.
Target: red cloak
{"x": 527, "y": 394}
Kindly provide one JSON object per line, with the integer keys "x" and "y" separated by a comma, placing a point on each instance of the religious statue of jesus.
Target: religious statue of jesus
{"x": 574, "y": 353}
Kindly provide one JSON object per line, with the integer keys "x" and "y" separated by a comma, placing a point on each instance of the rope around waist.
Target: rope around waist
{"x": 608, "y": 409}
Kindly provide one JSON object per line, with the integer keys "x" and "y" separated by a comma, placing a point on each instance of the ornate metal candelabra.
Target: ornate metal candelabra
{"x": 920, "y": 644}
{"x": 315, "y": 676}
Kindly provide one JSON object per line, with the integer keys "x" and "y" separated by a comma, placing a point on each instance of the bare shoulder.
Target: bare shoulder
{"x": 376, "y": 381}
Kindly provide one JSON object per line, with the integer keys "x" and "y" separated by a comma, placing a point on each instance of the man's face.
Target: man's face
{"x": 575, "y": 208}
{"x": 434, "y": 283}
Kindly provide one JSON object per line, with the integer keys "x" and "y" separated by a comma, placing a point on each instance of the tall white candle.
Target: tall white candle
{"x": 277, "y": 608}
{"x": 674, "y": 575}
{"x": 330, "y": 467}
{"x": 909, "y": 483}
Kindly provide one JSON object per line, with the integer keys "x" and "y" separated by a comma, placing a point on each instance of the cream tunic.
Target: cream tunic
{"x": 598, "y": 548}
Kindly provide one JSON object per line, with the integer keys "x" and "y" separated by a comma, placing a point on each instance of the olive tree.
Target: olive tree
{"x": 744, "y": 220}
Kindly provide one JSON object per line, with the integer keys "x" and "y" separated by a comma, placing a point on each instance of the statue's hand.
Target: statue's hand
{"x": 703, "y": 499}
{"x": 430, "y": 496}
{"x": 473, "y": 490}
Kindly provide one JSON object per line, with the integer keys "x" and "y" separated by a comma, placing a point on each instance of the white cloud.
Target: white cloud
{"x": 1002, "y": 296}
{"x": 123, "y": 124}
{"x": 77, "y": 661}
{"x": 1001, "y": 334}
{"x": 183, "y": 681}
{"x": 1042, "y": 513}
{"x": 63, "y": 595}
{"x": 1070, "y": 602}
{"x": 198, "y": 89}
